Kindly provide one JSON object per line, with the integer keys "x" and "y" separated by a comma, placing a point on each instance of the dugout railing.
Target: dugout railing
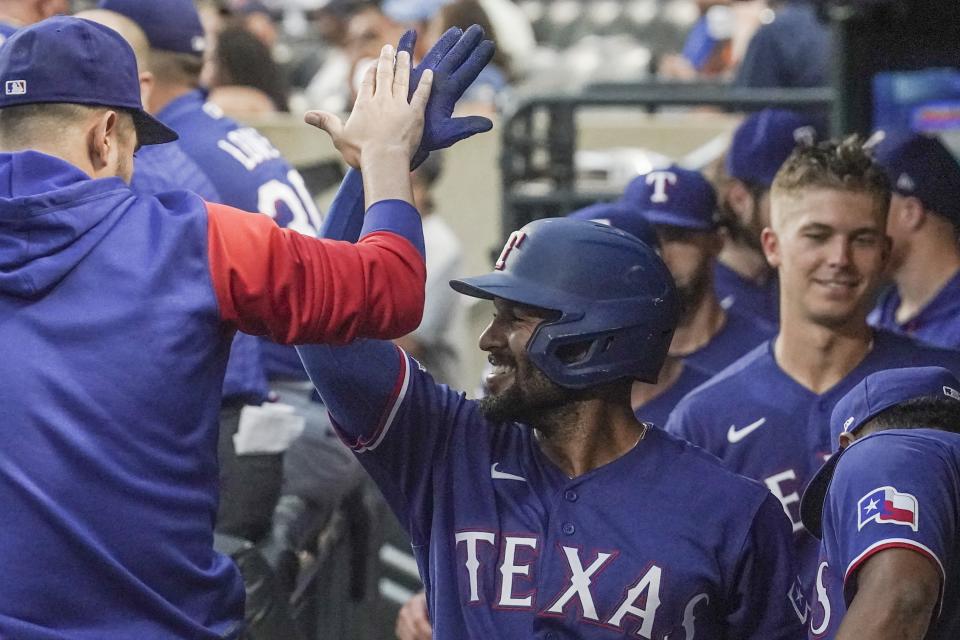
{"x": 539, "y": 136}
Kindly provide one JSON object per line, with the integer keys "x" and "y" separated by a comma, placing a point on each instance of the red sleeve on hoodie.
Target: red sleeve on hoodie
{"x": 297, "y": 289}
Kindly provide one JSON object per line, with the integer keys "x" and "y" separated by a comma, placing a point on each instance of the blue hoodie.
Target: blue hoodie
{"x": 116, "y": 317}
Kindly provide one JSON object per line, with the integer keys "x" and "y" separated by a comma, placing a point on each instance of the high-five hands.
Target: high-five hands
{"x": 383, "y": 122}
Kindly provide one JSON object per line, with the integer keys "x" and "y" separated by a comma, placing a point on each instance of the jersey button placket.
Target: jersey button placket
{"x": 568, "y": 528}
{"x": 570, "y": 495}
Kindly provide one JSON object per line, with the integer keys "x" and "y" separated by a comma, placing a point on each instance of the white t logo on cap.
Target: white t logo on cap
{"x": 16, "y": 87}
{"x": 849, "y": 422}
{"x": 660, "y": 180}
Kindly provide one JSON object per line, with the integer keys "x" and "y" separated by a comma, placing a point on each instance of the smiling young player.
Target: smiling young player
{"x": 766, "y": 415}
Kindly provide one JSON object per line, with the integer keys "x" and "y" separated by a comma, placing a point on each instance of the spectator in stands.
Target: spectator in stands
{"x": 431, "y": 343}
{"x": 790, "y": 49}
{"x": 329, "y": 88}
{"x": 923, "y": 224}
{"x": 244, "y": 79}
{"x": 257, "y": 19}
{"x": 707, "y": 50}
{"x": 485, "y": 94}
{"x": 742, "y": 279}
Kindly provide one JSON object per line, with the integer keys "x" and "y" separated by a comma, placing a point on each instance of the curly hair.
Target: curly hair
{"x": 843, "y": 165}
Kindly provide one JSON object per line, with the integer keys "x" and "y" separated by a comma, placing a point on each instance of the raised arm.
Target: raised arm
{"x": 299, "y": 289}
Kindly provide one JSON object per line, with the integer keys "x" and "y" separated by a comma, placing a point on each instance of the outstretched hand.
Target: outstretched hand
{"x": 388, "y": 116}
{"x": 455, "y": 60}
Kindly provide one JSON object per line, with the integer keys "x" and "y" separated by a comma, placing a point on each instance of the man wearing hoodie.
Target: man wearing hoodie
{"x": 117, "y": 312}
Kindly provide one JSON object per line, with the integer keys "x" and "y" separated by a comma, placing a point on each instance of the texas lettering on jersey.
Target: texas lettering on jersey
{"x": 508, "y": 545}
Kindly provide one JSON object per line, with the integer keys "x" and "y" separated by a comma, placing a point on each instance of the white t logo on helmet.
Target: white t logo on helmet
{"x": 660, "y": 180}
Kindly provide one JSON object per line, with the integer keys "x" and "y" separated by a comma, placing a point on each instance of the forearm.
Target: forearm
{"x": 386, "y": 175}
{"x": 867, "y": 620}
{"x": 344, "y": 220}
{"x": 897, "y": 592}
{"x": 357, "y": 382}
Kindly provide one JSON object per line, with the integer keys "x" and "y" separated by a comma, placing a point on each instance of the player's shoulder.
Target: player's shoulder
{"x": 908, "y": 446}
{"x": 740, "y": 374}
{"x": 897, "y": 350}
{"x": 748, "y": 329}
{"x": 687, "y": 462}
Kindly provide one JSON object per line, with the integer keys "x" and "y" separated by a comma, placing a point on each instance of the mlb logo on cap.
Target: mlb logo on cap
{"x": 15, "y": 88}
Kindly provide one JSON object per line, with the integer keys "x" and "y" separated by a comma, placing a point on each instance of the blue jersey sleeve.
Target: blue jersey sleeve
{"x": 890, "y": 490}
{"x": 393, "y": 416}
{"x": 767, "y": 560}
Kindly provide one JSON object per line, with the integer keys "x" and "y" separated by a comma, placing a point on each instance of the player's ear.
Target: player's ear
{"x": 102, "y": 139}
{"x": 739, "y": 198}
{"x": 846, "y": 439}
{"x": 147, "y": 81}
{"x": 912, "y": 214}
{"x": 771, "y": 246}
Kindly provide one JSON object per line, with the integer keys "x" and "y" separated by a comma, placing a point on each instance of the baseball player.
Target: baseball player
{"x": 885, "y": 507}
{"x": 652, "y": 402}
{"x": 765, "y": 415}
{"x": 532, "y": 512}
{"x": 118, "y": 311}
{"x": 681, "y": 205}
{"x": 742, "y": 278}
{"x": 923, "y": 223}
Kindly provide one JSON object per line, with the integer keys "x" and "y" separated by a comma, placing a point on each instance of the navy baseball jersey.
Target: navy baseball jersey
{"x": 248, "y": 173}
{"x": 746, "y": 297}
{"x": 767, "y": 426}
{"x": 661, "y": 543}
{"x": 892, "y": 489}
{"x": 938, "y": 323}
{"x": 658, "y": 409}
{"x": 739, "y": 334}
{"x": 117, "y": 312}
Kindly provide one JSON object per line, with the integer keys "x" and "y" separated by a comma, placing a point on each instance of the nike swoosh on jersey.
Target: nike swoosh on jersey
{"x": 735, "y": 435}
{"x": 503, "y": 475}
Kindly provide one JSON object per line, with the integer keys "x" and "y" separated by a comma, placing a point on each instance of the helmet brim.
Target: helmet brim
{"x": 508, "y": 287}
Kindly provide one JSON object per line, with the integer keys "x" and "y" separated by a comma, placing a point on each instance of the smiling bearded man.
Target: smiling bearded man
{"x": 548, "y": 510}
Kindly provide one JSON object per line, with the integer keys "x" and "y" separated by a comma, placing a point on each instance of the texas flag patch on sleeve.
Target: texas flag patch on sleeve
{"x": 887, "y": 505}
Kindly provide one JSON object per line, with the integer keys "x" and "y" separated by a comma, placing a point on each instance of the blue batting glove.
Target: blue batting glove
{"x": 456, "y": 60}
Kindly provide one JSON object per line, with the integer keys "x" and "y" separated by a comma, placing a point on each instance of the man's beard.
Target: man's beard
{"x": 528, "y": 401}
{"x": 691, "y": 294}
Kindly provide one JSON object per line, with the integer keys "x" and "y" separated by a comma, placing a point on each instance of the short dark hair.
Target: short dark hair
{"x": 26, "y": 124}
{"x": 834, "y": 164}
{"x": 928, "y": 412}
{"x": 176, "y": 68}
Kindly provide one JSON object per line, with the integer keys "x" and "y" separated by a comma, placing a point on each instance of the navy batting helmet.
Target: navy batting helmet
{"x": 614, "y": 296}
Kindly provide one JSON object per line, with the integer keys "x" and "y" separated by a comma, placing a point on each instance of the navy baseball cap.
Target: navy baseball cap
{"x": 673, "y": 197}
{"x": 170, "y": 25}
{"x": 921, "y": 167}
{"x": 763, "y": 142}
{"x": 873, "y": 395}
{"x": 619, "y": 216}
{"x": 75, "y": 61}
